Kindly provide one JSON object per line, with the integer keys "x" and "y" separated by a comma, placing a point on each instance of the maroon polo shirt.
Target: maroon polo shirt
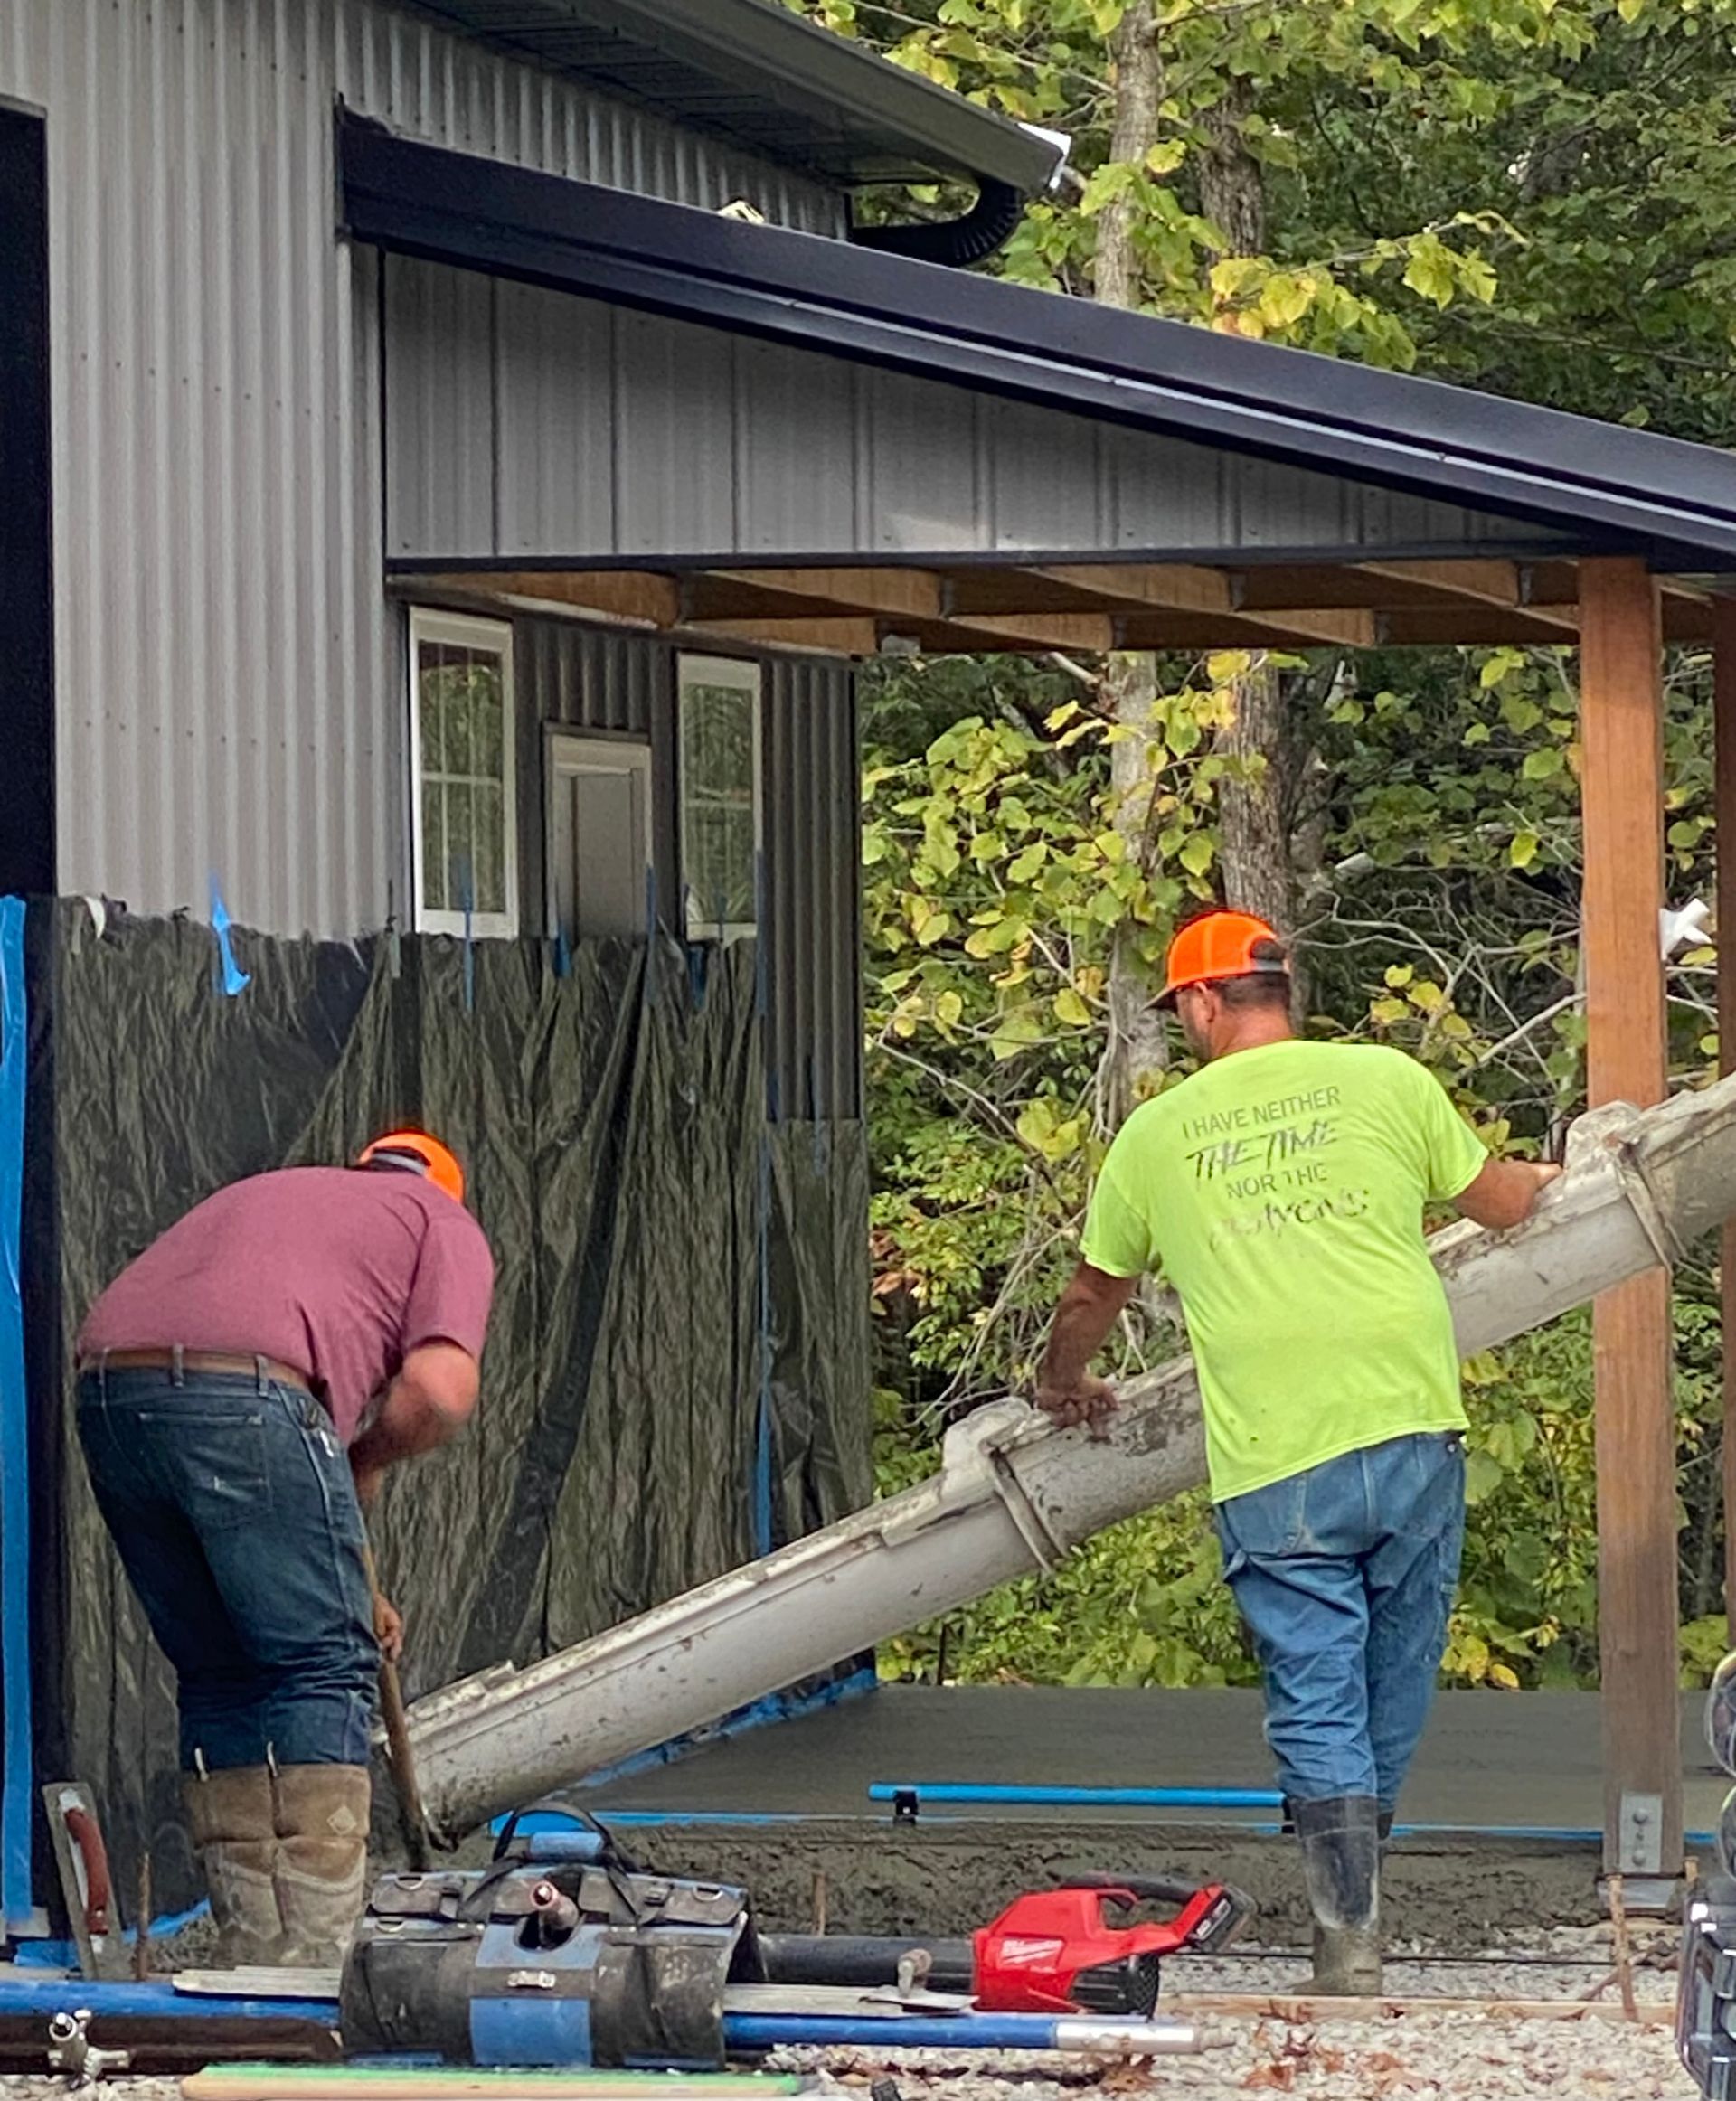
{"x": 337, "y": 1271}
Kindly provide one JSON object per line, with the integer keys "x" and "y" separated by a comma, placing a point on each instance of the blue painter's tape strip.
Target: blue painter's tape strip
{"x": 235, "y": 979}
{"x": 18, "y": 1786}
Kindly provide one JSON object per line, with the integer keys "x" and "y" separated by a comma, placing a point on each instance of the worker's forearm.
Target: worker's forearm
{"x": 406, "y": 1423}
{"x": 1082, "y": 1323}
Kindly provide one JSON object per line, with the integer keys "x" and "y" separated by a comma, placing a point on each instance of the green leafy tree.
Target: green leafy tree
{"x": 1529, "y": 195}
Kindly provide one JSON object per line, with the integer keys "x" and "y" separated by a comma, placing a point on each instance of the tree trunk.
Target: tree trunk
{"x": 1137, "y": 1051}
{"x": 1252, "y": 813}
{"x": 1257, "y": 797}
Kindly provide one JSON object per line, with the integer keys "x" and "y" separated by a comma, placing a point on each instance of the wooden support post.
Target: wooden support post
{"x": 1622, "y": 710}
{"x": 1723, "y": 646}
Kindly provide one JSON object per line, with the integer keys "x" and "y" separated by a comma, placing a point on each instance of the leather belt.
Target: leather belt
{"x": 222, "y": 1363}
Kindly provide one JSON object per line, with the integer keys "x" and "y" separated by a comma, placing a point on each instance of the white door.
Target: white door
{"x": 599, "y": 837}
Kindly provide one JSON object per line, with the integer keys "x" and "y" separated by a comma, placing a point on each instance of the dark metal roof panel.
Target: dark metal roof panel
{"x": 1598, "y": 485}
{"x": 751, "y": 71}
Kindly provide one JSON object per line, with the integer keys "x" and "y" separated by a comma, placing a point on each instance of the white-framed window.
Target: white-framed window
{"x": 599, "y": 835}
{"x": 718, "y": 715}
{"x": 464, "y": 801}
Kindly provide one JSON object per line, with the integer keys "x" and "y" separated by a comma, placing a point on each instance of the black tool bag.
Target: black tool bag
{"x": 561, "y": 1953}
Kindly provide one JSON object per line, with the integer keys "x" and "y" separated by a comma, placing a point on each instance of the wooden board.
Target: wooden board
{"x": 462, "y": 2082}
{"x": 1622, "y": 791}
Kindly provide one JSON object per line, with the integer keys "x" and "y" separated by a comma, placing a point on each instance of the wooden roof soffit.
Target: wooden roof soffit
{"x": 1083, "y": 606}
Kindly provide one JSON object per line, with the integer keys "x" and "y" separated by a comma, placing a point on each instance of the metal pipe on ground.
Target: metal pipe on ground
{"x": 1012, "y": 1495}
{"x": 973, "y": 2031}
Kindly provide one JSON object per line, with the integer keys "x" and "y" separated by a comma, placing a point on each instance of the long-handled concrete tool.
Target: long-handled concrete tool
{"x": 401, "y": 1758}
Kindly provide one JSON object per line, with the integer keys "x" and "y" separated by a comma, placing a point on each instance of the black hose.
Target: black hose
{"x": 956, "y": 242}
{"x": 844, "y": 1958}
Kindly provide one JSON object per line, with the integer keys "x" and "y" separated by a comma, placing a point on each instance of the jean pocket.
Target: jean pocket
{"x": 219, "y": 1462}
{"x": 1266, "y": 1521}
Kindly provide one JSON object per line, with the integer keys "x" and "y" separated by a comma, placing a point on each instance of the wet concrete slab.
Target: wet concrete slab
{"x": 1527, "y": 1760}
{"x": 1499, "y": 1782}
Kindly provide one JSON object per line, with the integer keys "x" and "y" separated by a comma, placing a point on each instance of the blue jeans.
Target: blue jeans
{"x": 234, "y": 1512}
{"x": 1345, "y": 1577}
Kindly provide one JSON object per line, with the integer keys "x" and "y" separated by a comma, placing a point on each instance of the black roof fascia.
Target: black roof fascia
{"x": 769, "y": 82}
{"x": 1602, "y": 487}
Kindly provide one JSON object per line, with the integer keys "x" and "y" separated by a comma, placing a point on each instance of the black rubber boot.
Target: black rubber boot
{"x": 1340, "y": 1868}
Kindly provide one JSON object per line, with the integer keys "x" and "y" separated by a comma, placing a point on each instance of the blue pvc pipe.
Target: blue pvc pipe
{"x": 1082, "y": 1797}
{"x": 16, "y": 1893}
{"x": 916, "y": 2031}
{"x": 47, "y": 1995}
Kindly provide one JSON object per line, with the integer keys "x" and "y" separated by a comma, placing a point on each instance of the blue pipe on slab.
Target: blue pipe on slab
{"x": 1080, "y": 1797}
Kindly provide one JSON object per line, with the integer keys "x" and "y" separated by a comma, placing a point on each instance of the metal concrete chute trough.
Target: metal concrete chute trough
{"x": 1012, "y": 1495}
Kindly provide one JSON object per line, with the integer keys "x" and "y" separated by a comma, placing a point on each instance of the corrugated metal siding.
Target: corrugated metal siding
{"x": 813, "y": 856}
{"x": 600, "y": 685}
{"x": 229, "y": 694}
{"x": 680, "y": 440}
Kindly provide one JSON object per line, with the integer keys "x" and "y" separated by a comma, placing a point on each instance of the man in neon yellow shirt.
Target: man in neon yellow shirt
{"x": 1280, "y": 1189}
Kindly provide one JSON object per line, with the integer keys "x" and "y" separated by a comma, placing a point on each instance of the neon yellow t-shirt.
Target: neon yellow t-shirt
{"x": 1281, "y": 1190}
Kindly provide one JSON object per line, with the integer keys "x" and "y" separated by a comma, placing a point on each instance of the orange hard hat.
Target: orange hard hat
{"x": 418, "y": 1154}
{"x": 1219, "y": 945}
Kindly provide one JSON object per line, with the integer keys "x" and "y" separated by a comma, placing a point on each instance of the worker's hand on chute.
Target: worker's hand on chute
{"x": 387, "y": 1628}
{"x": 1089, "y": 1400}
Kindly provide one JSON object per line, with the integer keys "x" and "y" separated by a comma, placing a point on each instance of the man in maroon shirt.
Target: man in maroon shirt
{"x": 242, "y": 1387}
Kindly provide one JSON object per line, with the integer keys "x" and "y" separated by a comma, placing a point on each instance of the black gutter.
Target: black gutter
{"x": 956, "y": 242}
{"x": 1601, "y": 485}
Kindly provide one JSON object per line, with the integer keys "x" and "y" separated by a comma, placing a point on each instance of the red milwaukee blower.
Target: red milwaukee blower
{"x": 1051, "y": 1951}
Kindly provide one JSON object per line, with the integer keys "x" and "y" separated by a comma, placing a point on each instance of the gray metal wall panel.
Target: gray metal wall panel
{"x": 549, "y": 429}
{"x": 674, "y": 389}
{"x": 796, "y": 451}
{"x": 440, "y": 431}
{"x": 229, "y": 684}
{"x": 812, "y": 851}
{"x": 720, "y": 447}
{"x": 583, "y": 678}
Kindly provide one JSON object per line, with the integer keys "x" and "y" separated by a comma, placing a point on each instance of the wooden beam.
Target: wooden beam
{"x": 841, "y": 637}
{"x": 1347, "y": 628}
{"x": 1178, "y": 586}
{"x": 1491, "y": 583}
{"x": 915, "y": 592}
{"x": 1723, "y": 706}
{"x": 1083, "y": 631}
{"x": 1622, "y": 800}
{"x": 1482, "y": 582}
{"x": 641, "y": 595}
{"x": 1472, "y": 621}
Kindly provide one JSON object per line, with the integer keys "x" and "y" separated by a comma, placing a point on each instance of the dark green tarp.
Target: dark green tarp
{"x": 677, "y": 1353}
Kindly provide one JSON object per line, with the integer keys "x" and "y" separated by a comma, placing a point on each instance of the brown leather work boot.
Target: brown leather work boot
{"x": 229, "y": 1815}
{"x": 322, "y": 1860}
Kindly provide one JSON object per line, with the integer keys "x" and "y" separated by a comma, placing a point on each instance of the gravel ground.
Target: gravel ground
{"x": 1455, "y": 2057}
{"x": 1451, "y": 2057}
